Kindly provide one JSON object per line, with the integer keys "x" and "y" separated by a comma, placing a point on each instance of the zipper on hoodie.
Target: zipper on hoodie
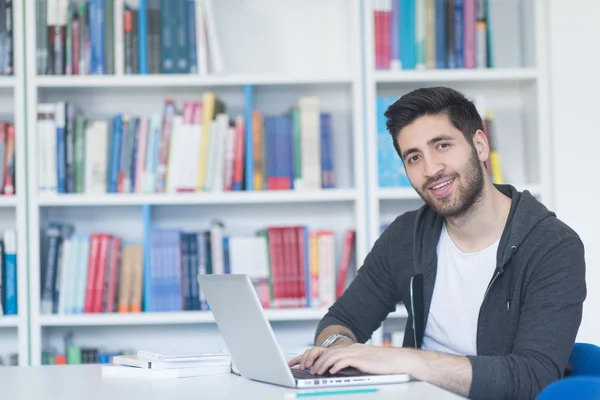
{"x": 412, "y": 308}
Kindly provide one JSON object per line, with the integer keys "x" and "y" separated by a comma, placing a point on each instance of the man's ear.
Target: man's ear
{"x": 482, "y": 145}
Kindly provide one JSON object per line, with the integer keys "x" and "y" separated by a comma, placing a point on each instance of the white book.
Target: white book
{"x": 210, "y": 160}
{"x": 216, "y": 244}
{"x": 222, "y": 123}
{"x": 228, "y": 157}
{"x": 326, "y": 270}
{"x": 96, "y": 157}
{"x": 176, "y": 159}
{"x": 119, "y": 42}
{"x": 201, "y": 41}
{"x": 45, "y": 126}
{"x": 192, "y": 150}
{"x": 310, "y": 126}
{"x": 118, "y": 371}
{"x": 214, "y": 45}
{"x": 134, "y": 360}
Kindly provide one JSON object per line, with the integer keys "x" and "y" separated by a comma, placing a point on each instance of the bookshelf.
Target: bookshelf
{"x": 14, "y": 328}
{"x": 334, "y": 62}
{"x": 270, "y": 77}
{"x": 514, "y": 88}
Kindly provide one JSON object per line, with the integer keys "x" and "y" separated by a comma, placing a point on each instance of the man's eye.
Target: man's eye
{"x": 413, "y": 159}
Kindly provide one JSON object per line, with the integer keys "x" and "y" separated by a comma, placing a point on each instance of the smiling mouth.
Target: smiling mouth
{"x": 442, "y": 188}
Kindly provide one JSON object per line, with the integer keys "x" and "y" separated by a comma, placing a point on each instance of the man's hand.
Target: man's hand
{"x": 307, "y": 359}
{"x": 366, "y": 358}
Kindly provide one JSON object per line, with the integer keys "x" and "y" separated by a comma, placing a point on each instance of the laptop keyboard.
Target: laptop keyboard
{"x": 305, "y": 374}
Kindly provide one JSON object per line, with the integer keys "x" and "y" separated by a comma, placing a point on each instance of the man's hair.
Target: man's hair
{"x": 461, "y": 112}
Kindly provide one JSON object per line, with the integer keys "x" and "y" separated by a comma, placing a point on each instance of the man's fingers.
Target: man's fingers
{"x": 326, "y": 361}
{"x": 342, "y": 363}
{"x": 313, "y": 355}
{"x": 295, "y": 360}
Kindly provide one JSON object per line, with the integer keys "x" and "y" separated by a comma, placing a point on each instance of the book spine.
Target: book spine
{"x": 10, "y": 273}
{"x": 142, "y": 37}
{"x": 108, "y": 28}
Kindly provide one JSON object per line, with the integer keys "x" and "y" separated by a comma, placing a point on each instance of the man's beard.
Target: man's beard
{"x": 463, "y": 198}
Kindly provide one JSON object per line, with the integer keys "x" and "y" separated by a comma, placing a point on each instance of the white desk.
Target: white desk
{"x": 66, "y": 382}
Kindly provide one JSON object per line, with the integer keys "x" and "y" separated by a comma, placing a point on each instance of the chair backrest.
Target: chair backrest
{"x": 578, "y": 387}
{"x": 585, "y": 359}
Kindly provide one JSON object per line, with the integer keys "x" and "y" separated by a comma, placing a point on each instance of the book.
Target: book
{"x": 217, "y": 358}
{"x": 163, "y": 362}
{"x": 121, "y": 371}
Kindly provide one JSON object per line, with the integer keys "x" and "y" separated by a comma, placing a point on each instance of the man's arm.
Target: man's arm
{"x": 368, "y": 300}
{"x": 446, "y": 371}
{"x": 332, "y": 329}
{"x": 550, "y": 318}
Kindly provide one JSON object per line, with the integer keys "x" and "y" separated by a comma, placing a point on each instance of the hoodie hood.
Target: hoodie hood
{"x": 525, "y": 213}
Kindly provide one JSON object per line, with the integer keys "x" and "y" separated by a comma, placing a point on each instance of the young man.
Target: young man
{"x": 492, "y": 281}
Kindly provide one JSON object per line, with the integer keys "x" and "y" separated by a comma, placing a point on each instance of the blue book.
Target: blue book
{"x": 96, "y": 8}
{"x": 459, "y": 38}
{"x": 10, "y": 273}
{"x": 407, "y": 34}
{"x": 441, "y": 34}
{"x": 190, "y": 34}
{"x": 114, "y": 164}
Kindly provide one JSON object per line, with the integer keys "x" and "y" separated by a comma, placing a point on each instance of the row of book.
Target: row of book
{"x": 9, "y": 360}
{"x": 391, "y": 170}
{"x": 291, "y": 267}
{"x": 6, "y": 38}
{"x": 7, "y": 158}
{"x": 123, "y": 37}
{"x": 430, "y": 34}
{"x": 8, "y": 273}
{"x": 194, "y": 147}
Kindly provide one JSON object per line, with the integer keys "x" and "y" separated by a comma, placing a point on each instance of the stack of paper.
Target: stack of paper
{"x": 148, "y": 364}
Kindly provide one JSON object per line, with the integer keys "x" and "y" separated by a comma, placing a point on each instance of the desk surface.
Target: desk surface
{"x": 68, "y": 382}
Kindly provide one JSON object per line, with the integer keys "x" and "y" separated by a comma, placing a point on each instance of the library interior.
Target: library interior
{"x": 294, "y": 235}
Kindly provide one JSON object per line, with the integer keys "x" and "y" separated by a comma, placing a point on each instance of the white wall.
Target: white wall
{"x": 575, "y": 85}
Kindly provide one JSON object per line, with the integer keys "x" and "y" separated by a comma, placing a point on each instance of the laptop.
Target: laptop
{"x": 252, "y": 343}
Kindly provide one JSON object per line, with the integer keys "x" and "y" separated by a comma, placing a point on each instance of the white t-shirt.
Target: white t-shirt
{"x": 460, "y": 284}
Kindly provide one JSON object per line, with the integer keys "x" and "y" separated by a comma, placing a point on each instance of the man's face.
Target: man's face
{"x": 444, "y": 169}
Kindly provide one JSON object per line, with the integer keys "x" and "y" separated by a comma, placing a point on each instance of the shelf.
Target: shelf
{"x": 408, "y": 193}
{"x": 184, "y": 317}
{"x": 7, "y": 82}
{"x": 9, "y": 321}
{"x": 8, "y": 201}
{"x": 127, "y": 81}
{"x": 252, "y": 197}
{"x": 457, "y": 75}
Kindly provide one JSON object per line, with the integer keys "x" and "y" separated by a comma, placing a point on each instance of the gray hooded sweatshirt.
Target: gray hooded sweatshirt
{"x": 530, "y": 313}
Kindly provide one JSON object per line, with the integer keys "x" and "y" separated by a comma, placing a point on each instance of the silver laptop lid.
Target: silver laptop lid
{"x": 245, "y": 329}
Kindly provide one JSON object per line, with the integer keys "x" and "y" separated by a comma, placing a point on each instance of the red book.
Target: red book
{"x": 92, "y": 272}
{"x": 100, "y": 273}
{"x": 345, "y": 262}
{"x": 301, "y": 246}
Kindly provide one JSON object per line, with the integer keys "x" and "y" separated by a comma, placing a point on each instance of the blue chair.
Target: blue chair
{"x": 583, "y": 381}
{"x": 585, "y": 359}
{"x": 577, "y": 387}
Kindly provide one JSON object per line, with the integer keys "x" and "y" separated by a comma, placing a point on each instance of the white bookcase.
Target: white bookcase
{"x": 515, "y": 90}
{"x": 14, "y": 329}
{"x": 323, "y": 61}
{"x": 285, "y": 50}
